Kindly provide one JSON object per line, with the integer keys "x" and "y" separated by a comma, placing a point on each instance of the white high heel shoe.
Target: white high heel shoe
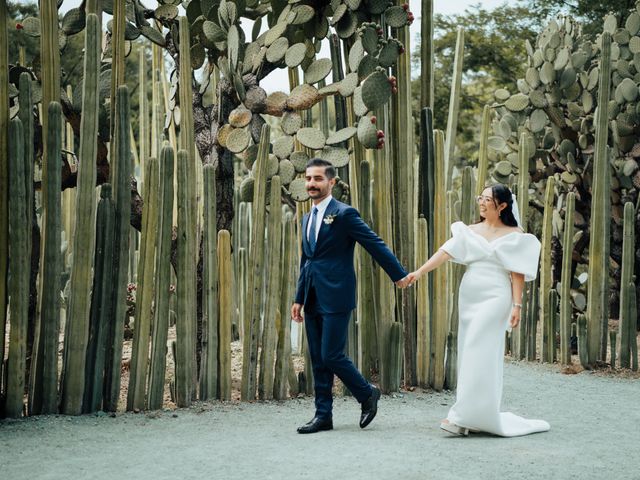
{"x": 454, "y": 429}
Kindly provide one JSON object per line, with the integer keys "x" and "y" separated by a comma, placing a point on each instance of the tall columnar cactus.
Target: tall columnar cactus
{"x": 69, "y": 194}
{"x": 423, "y": 351}
{"x": 256, "y": 276}
{"x": 597, "y": 286}
{"x": 439, "y": 307}
{"x": 185, "y": 308}
{"x": 583, "y": 351}
{"x": 483, "y": 152}
{"x": 4, "y": 167}
{"x": 454, "y": 106}
{"x": 44, "y": 368}
{"x": 546, "y": 280}
{"x": 121, "y": 170}
{"x": 19, "y": 274}
{"x": 163, "y": 281}
{"x": 101, "y": 302}
{"x": 287, "y": 285}
{"x": 78, "y": 314}
{"x": 209, "y": 363}
{"x": 627, "y": 321}
{"x": 145, "y": 288}
{"x": 225, "y": 314}
{"x": 426, "y": 53}
{"x": 565, "y": 282}
{"x": 532, "y": 318}
{"x": 143, "y": 115}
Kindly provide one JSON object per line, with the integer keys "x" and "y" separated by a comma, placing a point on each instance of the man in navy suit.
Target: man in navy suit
{"x": 327, "y": 290}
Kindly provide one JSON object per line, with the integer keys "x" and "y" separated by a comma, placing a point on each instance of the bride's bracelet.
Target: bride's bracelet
{"x": 517, "y": 305}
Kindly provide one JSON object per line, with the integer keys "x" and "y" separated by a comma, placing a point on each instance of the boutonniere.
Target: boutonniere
{"x": 328, "y": 219}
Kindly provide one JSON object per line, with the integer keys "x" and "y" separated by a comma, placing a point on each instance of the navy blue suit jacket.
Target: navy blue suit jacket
{"x": 329, "y": 269}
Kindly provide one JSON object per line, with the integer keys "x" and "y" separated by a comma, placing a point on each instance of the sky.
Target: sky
{"x": 279, "y": 78}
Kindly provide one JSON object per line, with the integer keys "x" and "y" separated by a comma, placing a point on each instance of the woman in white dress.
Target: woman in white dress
{"x": 499, "y": 259}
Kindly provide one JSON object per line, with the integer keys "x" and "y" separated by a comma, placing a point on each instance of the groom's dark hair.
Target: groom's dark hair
{"x": 329, "y": 169}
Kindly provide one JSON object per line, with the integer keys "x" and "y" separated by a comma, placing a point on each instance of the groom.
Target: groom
{"x": 327, "y": 288}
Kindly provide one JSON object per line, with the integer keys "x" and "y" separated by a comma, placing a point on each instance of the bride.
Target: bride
{"x": 499, "y": 259}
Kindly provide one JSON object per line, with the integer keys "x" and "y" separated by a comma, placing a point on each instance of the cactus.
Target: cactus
{"x": 427, "y": 83}
{"x": 78, "y": 315}
{"x": 209, "y": 362}
{"x": 100, "y": 302}
{"x": 546, "y": 319}
{"x": 4, "y": 168}
{"x": 423, "y": 351}
{"x": 19, "y": 274}
{"x": 145, "y": 291}
{"x": 454, "y": 106}
{"x": 45, "y": 351}
{"x": 612, "y": 342}
{"x": 256, "y": 254}
{"x": 532, "y": 319}
{"x": 600, "y": 217}
{"x": 225, "y": 314}
{"x": 627, "y": 321}
{"x": 185, "y": 306}
{"x": 483, "y": 154}
{"x": 565, "y": 292}
{"x": 439, "y": 307}
{"x": 163, "y": 281}
{"x": 583, "y": 351}
{"x": 121, "y": 170}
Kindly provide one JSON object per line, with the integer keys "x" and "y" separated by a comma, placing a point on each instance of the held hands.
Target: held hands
{"x": 514, "y": 320}
{"x": 296, "y": 316}
{"x": 408, "y": 280}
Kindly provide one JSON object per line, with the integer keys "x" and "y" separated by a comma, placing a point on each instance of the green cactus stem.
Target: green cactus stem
{"x": 548, "y": 337}
{"x": 627, "y": 321}
{"x": 225, "y": 314}
{"x": 423, "y": 352}
{"x": 483, "y": 153}
{"x": 209, "y": 369}
{"x": 427, "y": 83}
{"x": 454, "y": 107}
{"x": 19, "y": 274}
{"x": 565, "y": 281}
{"x": 597, "y": 286}
{"x": 612, "y": 341}
{"x": 78, "y": 314}
{"x": 4, "y": 168}
{"x": 532, "y": 319}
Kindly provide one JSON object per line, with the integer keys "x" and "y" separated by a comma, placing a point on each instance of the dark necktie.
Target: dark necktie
{"x": 312, "y": 229}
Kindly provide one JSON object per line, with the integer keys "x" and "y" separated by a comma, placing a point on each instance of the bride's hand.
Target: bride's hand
{"x": 514, "y": 321}
{"x": 413, "y": 278}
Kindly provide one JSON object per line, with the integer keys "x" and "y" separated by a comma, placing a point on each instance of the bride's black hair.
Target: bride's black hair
{"x": 502, "y": 194}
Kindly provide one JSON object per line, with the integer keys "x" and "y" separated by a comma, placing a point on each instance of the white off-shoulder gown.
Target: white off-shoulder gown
{"x": 484, "y": 310}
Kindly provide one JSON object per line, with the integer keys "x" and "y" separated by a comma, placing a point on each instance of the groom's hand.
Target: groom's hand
{"x": 296, "y": 316}
{"x": 403, "y": 282}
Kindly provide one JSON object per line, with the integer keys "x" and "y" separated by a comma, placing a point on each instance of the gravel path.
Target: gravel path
{"x": 595, "y": 423}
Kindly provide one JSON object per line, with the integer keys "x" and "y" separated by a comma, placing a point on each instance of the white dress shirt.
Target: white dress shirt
{"x": 322, "y": 207}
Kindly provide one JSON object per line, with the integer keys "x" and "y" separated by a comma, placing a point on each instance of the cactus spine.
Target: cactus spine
{"x": 19, "y": 274}
{"x": 101, "y": 298}
{"x": 627, "y": 320}
{"x": 185, "y": 308}
{"x": 598, "y": 254}
{"x": 565, "y": 282}
{"x": 120, "y": 174}
{"x": 269, "y": 334}
{"x": 163, "y": 281}
{"x": 78, "y": 317}
{"x": 209, "y": 373}
{"x": 145, "y": 290}
{"x": 226, "y": 287}
{"x": 256, "y": 279}
{"x": 548, "y": 337}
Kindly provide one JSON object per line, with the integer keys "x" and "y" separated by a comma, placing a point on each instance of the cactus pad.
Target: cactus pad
{"x": 302, "y": 97}
{"x": 73, "y": 21}
{"x": 341, "y": 135}
{"x": 31, "y": 26}
{"x": 223, "y": 134}
{"x": 303, "y": 13}
{"x": 367, "y": 66}
{"x": 501, "y": 94}
{"x": 367, "y": 133}
{"x": 295, "y": 55}
{"x": 153, "y": 35}
{"x": 250, "y": 155}
{"x": 389, "y": 53}
{"x": 632, "y": 24}
{"x": 238, "y": 140}
{"x": 610, "y": 24}
{"x": 165, "y": 13}
{"x": 370, "y": 40}
{"x": 318, "y": 70}
{"x": 213, "y": 32}
{"x": 339, "y": 157}
{"x": 286, "y": 171}
{"x": 359, "y": 107}
{"x": 277, "y": 50}
{"x": 496, "y": 143}
{"x": 298, "y": 190}
{"x": 628, "y": 89}
{"x": 376, "y": 90}
{"x": 246, "y": 189}
{"x": 517, "y": 102}
{"x": 503, "y": 168}
{"x": 347, "y": 25}
{"x": 330, "y": 89}
{"x": 356, "y": 54}
{"x": 276, "y": 103}
{"x": 538, "y": 120}
{"x": 396, "y": 16}
{"x": 299, "y": 160}
{"x": 338, "y": 13}
{"x": 274, "y": 33}
{"x": 348, "y": 84}
{"x": 291, "y": 122}
{"x": 240, "y": 117}
{"x": 376, "y": 7}
{"x": 283, "y": 146}
{"x": 311, "y": 138}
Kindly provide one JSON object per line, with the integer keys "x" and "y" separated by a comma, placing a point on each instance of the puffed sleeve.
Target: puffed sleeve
{"x": 520, "y": 253}
{"x": 462, "y": 248}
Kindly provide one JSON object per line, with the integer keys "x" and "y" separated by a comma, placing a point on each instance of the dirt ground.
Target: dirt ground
{"x": 594, "y": 434}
